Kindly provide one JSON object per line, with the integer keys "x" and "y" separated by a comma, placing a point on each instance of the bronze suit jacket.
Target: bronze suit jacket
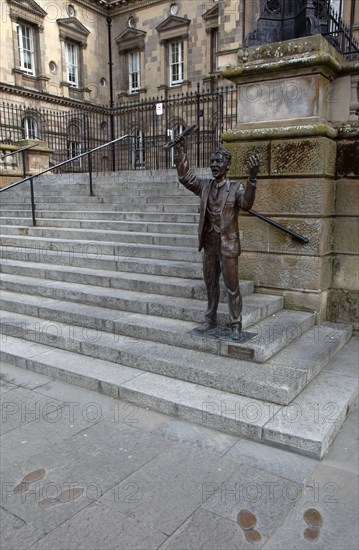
{"x": 235, "y": 197}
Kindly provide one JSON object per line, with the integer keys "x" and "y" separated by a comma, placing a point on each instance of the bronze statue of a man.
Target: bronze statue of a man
{"x": 221, "y": 200}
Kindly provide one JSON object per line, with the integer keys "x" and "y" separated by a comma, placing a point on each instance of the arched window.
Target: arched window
{"x": 74, "y": 142}
{"x": 138, "y": 149}
{"x": 30, "y": 128}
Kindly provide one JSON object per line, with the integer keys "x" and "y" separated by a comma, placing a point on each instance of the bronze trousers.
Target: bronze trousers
{"x": 213, "y": 264}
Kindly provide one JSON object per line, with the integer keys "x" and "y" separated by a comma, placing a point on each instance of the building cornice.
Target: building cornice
{"x": 29, "y": 6}
{"x": 49, "y": 98}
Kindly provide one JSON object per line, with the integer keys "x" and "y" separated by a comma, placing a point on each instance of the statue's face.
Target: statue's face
{"x": 218, "y": 165}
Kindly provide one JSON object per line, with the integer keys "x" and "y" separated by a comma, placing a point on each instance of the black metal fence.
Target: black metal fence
{"x": 151, "y": 123}
{"x": 335, "y": 30}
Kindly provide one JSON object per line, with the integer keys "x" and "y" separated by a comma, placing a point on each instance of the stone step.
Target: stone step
{"x": 171, "y": 321}
{"x": 256, "y": 307}
{"x": 104, "y": 235}
{"x": 118, "y": 198}
{"x": 133, "y": 226}
{"x": 139, "y": 282}
{"x": 190, "y": 208}
{"x": 99, "y": 248}
{"x": 103, "y": 190}
{"x": 144, "y": 217}
{"x": 99, "y": 261}
{"x": 274, "y": 383}
{"x": 252, "y": 418}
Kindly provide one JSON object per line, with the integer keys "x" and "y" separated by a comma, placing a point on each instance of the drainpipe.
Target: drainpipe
{"x": 110, "y": 64}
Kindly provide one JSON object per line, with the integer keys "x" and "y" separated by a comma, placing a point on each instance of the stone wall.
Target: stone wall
{"x": 308, "y": 177}
{"x": 343, "y": 293}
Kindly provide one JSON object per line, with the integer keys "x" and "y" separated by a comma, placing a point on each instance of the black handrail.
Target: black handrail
{"x": 19, "y": 150}
{"x": 297, "y": 236}
{"x": 51, "y": 168}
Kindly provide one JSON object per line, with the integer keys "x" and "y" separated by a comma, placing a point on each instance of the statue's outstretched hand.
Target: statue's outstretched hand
{"x": 254, "y": 164}
{"x": 179, "y": 141}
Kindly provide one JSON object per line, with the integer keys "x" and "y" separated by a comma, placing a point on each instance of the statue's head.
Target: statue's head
{"x": 220, "y": 162}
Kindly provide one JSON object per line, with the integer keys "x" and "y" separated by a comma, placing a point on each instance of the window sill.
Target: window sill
{"x": 26, "y": 80}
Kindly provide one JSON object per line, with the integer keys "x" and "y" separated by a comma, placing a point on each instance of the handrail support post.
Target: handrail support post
{"x": 90, "y": 175}
{"x": 32, "y": 202}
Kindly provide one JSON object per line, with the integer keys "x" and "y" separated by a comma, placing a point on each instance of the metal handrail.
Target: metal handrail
{"x": 19, "y": 150}
{"x": 297, "y": 236}
{"x": 51, "y": 168}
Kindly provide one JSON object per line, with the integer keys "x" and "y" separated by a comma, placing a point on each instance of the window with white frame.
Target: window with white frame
{"x": 74, "y": 143}
{"x": 25, "y": 40}
{"x": 175, "y": 51}
{"x": 72, "y": 64}
{"x": 30, "y": 128}
{"x": 214, "y": 49}
{"x": 134, "y": 72}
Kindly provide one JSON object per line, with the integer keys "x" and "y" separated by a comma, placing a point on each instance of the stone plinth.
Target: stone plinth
{"x": 288, "y": 115}
{"x": 37, "y": 158}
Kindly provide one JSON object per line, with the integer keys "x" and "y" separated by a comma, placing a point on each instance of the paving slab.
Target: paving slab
{"x": 346, "y": 362}
{"x": 101, "y": 527}
{"x": 205, "y": 530}
{"x": 334, "y": 494}
{"x": 15, "y": 377}
{"x": 21, "y": 406}
{"x": 267, "y": 496}
{"x": 170, "y": 487}
{"x": 94, "y": 460}
{"x": 344, "y": 451}
{"x": 276, "y": 461}
{"x": 16, "y": 534}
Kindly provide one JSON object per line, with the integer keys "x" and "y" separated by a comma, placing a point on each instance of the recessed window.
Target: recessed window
{"x": 72, "y": 64}
{"x": 71, "y": 12}
{"x": 30, "y": 128}
{"x": 25, "y": 39}
{"x": 176, "y": 62}
{"x": 134, "y": 75}
{"x": 174, "y": 9}
{"x": 53, "y": 67}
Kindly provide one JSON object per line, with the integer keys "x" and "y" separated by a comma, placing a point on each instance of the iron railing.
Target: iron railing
{"x": 335, "y": 30}
{"x": 151, "y": 122}
{"x": 31, "y": 178}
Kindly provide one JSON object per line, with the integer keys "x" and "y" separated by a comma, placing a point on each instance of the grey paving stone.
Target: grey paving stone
{"x": 16, "y": 534}
{"x": 95, "y": 460}
{"x": 311, "y": 422}
{"x": 346, "y": 362}
{"x": 21, "y": 406}
{"x": 101, "y": 527}
{"x": 207, "y": 531}
{"x": 22, "y": 378}
{"x": 169, "y": 488}
{"x": 6, "y": 387}
{"x": 344, "y": 451}
{"x": 334, "y": 493}
{"x": 196, "y": 436}
{"x": 267, "y": 496}
{"x": 30, "y": 439}
{"x": 281, "y": 463}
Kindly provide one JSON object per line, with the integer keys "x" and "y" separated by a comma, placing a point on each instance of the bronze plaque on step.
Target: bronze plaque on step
{"x": 241, "y": 353}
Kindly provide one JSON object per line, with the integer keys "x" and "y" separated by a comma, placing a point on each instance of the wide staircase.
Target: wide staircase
{"x": 106, "y": 291}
